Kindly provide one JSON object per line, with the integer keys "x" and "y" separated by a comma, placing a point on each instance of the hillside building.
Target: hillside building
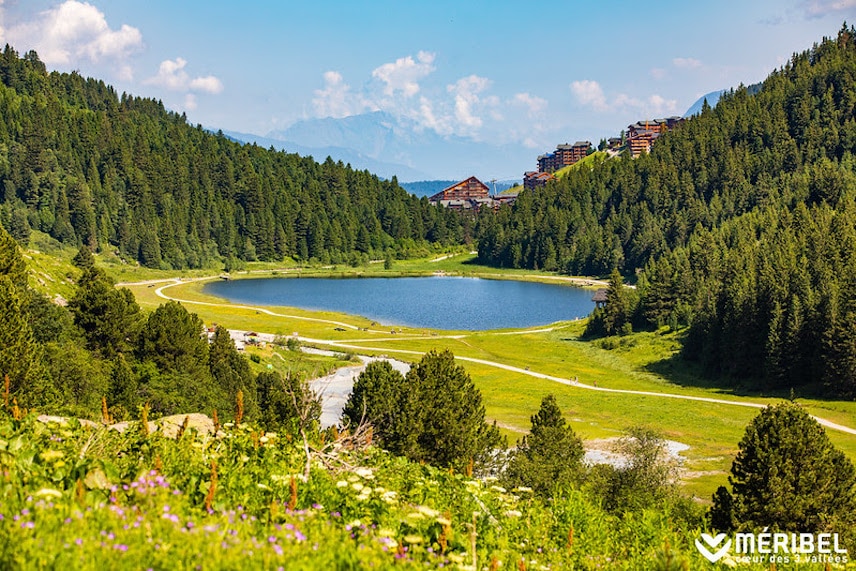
{"x": 469, "y": 194}
{"x": 563, "y": 156}
{"x": 642, "y": 134}
{"x": 535, "y": 179}
{"x": 466, "y": 189}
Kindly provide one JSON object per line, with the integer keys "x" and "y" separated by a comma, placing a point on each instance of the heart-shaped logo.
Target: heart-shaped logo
{"x": 713, "y": 542}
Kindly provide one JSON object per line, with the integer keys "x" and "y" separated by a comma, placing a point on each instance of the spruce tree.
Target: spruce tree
{"x": 445, "y": 415}
{"x": 376, "y": 398}
{"x": 788, "y": 476}
{"x": 549, "y": 458}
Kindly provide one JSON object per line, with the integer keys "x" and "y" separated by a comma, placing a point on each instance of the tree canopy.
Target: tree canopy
{"x": 788, "y": 476}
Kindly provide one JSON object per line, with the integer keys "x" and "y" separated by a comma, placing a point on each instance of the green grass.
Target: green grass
{"x": 712, "y": 430}
{"x": 642, "y": 361}
{"x": 595, "y": 157}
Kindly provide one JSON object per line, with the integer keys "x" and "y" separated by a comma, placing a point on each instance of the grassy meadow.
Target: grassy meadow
{"x": 639, "y": 362}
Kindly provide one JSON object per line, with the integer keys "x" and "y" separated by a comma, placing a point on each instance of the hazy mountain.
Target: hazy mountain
{"x": 393, "y": 141}
{"x": 356, "y": 159}
{"x": 713, "y": 99}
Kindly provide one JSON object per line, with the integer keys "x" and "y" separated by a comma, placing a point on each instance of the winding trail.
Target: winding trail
{"x": 348, "y": 345}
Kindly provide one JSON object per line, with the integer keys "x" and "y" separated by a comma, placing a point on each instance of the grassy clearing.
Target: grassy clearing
{"x": 639, "y": 362}
{"x": 642, "y": 361}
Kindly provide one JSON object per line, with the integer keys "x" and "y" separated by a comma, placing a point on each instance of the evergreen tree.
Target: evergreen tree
{"x": 108, "y": 317}
{"x": 286, "y": 403}
{"x": 789, "y": 477}
{"x": 549, "y": 458}
{"x": 20, "y": 355}
{"x": 231, "y": 371}
{"x": 172, "y": 340}
{"x": 445, "y": 417}
{"x": 376, "y": 398}
{"x": 11, "y": 262}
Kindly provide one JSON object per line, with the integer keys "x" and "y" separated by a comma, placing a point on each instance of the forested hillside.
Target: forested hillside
{"x": 741, "y": 224}
{"x": 91, "y": 167}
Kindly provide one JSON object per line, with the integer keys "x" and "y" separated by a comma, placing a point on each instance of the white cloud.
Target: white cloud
{"x": 190, "y": 102}
{"x": 535, "y": 105}
{"x": 658, "y": 73}
{"x": 686, "y": 63}
{"x": 208, "y": 84}
{"x": 74, "y": 30}
{"x": 171, "y": 75}
{"x": 466, "y": 92}
{"x": 426, "y": 118}
{"x": 336, "y": 99}
{"x": 590, "y": 93}
{"x": 404, "y": 73}
{"x": 820, "y": 8}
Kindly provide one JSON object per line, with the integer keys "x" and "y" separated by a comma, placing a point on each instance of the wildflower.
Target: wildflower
{"x": 49, "y": 492}
{"x": 513, "y": 513}
{"x": 120, "y": 547}
{"x": 51, "y": 455}
{"x": 357, "y": 486}
{"x": 299, "y": 536}
{"x": 499, "y": 489}
{"x": 428, "y": 512}
{"x": 443, "y": 521}
{"x": 523, "y": 489}
{"x": 341, "y": 484}
{"x": 413, "y": 538}
{"x": 78, "y": 541}
{"x": 364, "y": 473}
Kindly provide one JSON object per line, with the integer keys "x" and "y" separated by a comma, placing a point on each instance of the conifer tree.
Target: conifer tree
{"x": 376, "y": 398}
{"x": 788, "y": 476}
{"x": 549, "y": 458}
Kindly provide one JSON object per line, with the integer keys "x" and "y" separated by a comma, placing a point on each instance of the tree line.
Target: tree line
{"x": 65, "y": 360}
{"x": 118, "y": 172}
{"x": 739, "y": 224}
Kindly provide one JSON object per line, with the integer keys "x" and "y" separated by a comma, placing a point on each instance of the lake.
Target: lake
{"x": 438, "y": 302}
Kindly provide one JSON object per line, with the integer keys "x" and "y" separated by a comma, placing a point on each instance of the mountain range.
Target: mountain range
{"x": 389, "y": 146}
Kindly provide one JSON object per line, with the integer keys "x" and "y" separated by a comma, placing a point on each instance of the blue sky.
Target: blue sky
{"x": 523, "y": 73}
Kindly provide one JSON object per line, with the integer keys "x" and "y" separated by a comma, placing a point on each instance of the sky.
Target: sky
{"x": 501, "y": 72}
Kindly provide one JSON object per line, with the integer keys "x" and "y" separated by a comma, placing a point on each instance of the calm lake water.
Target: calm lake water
{"x": 451, "y": 303}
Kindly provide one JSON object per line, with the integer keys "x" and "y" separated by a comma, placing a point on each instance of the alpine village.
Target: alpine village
{"x": 706, "y": 395}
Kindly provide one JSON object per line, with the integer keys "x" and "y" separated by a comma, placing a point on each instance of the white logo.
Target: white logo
{"x": 713, "y": 542}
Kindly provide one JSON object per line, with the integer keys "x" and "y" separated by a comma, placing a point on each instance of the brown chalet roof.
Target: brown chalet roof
{"x": 467, "y": 188}
{"x": 599, "y": 296}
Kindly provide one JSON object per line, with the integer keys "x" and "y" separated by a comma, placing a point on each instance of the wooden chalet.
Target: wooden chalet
{"x": 641, "y": 143}
{"x": 600, "y": 298}
{"x": 534, "y": 179}
{"x": 564, "y": 155}
{"x": 464, "y": 190}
